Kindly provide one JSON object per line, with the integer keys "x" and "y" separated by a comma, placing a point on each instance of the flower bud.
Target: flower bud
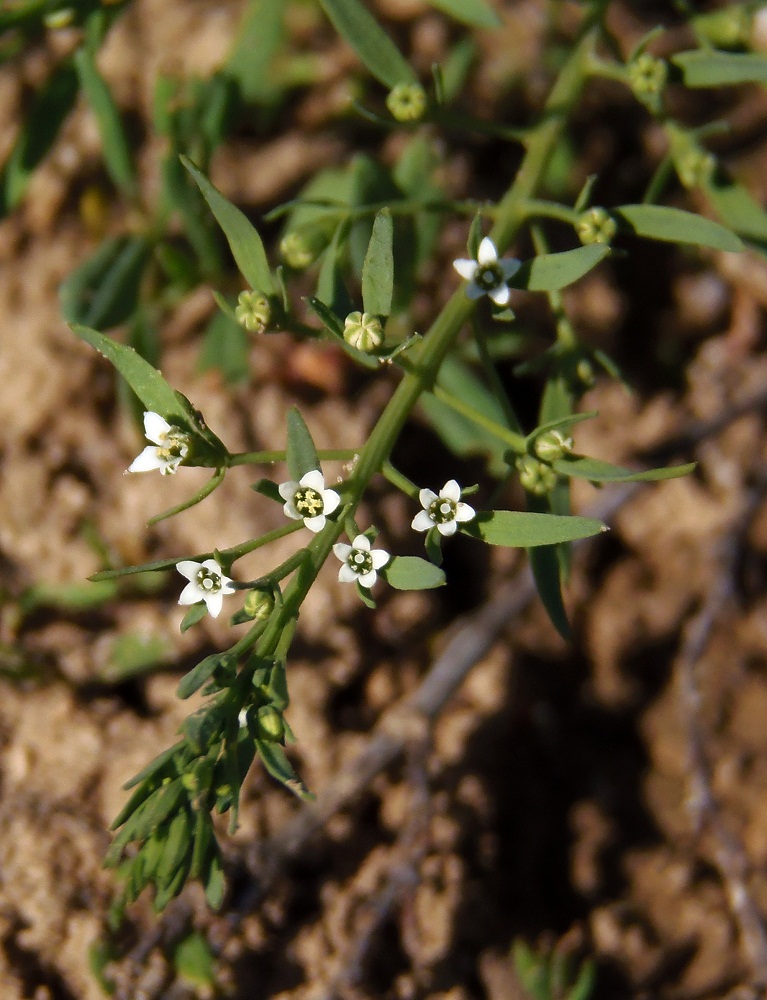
{"x": 363, "y": 331}
{"x": 270, "y": 724}
{"x": 584, "y": 372}
{"x": 253, "y": 311}
{"x": 695, "y": 167}
{"x": 595, "y": 225}
{"x": 647, "y": 78}
{"x": 552, "y": 446}
{"x": 407, "y": 102}
{"x": 60, "y": 18}
{"x": 536, "y": 477}
{"x": 259, "y": 604}
{"x": 297, "y": 250}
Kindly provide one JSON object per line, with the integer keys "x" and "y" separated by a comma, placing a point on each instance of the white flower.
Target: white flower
{"x": 206, "y": 583}
{"x": 309, "y": 500}
{"x": 487, "y": 275}
{"x": 445, "y": 512}
{"x": 359, "y": 561}
{"x": 169, "y": 448}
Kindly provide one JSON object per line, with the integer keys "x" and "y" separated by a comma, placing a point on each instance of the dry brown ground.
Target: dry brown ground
{"x": 562, "y": 798}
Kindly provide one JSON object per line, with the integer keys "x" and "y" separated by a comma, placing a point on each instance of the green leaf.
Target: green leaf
{"x": 545, "y": 566}
{"x": 301, "y": 453}
{"x": 148, "y": 384}
{"x": 276, "y": 762}
{"x": 375, "y": 49}
{"x": 523, "y": 529}
{"x": 161, "y": 763}
{"x": 135, "y": 654}
{"x": 104, "y": 290}
{"x": 250, "y": 63}
{"x": 474, "y": 13}
{"x": 195, "y": 614}
{"x": 551, "y": 271}
{"x": 42, "y": 122}
{"x": 193, "y": 960}
{"x": 269, "y": 489}
{"x": 114, "y": 141}
{"x": 378, "y": 268}
{"x": 215, "y": 883}
{"x": 199, "y": 675}
{"x": 579, "y": 467}
{"x": 708, "y": 68}
{"x": 412, "y": 573}
{"x": 241, "y": 234}
{"x": 658, "y": 222}
{"x": 739, "y": 209}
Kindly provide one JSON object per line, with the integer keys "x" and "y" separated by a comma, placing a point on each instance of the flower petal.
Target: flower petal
{"x": 346, "y": 574}
{"x": 379, "y": 558}
{"x": 287, "y": 490}
{"x": 368, "y": 579}
{"x": 147, "y": 461}
{"x": 450, "y": 491}
{"x": 422, "y": 521}
{"x": 314, "y": 480}
{"x": 487, "y": 253}
{"x": 465, "y": 267}
{"x": 509, "y": 267}
{"x": 214, "y": 566}
{"x": 189, "y": 568}
{"x": 330, "y": 501}
{"x": 226, "y": 586}
{"x": 290, "y": 511}
{"x": 215, "y": 602}
{"x": 361, "y": 542}
{"x": 155, "y": 427}
{"x": 191, "y": 594}
{"x": 500, "y": 295}
{"x": 427, "y": 498}
{"x": 463, "y": 512}
{"x": 342, "y": 551}
{"x": 448, "y": 528}
{"x": 473, "y": 291}
{"x": 315, "y": 524}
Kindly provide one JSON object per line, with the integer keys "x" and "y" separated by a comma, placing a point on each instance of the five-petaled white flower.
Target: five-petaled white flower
{"x": 487, "y": 275}
{"x": 309, "y": 500}
{"x": 359, "y": 561}
{"x": 169, "y": 448}
{"x": 444, "y": 512}
{"x": 206, "y": 583}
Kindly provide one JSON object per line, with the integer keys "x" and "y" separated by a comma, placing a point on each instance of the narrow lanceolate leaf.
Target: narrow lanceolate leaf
{"x": 672, "y": 225}
{"x": 552, "y": 271}
{"x": 578, "y": 467}
{"x": 739, "y": 209}
{"x": 378, "y": 268}
{"x": 475, "y": 13}
{"x": 148, "y": 384}
{"x": 276, "y": 762}
{"x": 522, "y": 529}
{"x": 241, "y": 235}
{"x": 701, "y": 68}
{"x": 545, "y": 566}
{"x": 377, "y": 52}
{"x": 114, "y": 142}
{"x": 302, "y": 455}
{"x": 104, "y": 290}
{"x": 199, "y": 675}
{"x": 413, "y": 573}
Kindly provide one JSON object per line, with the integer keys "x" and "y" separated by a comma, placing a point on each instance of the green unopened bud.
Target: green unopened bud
{"x": 695, "y": 167}
{"x": 595, "y": 225}
{"x": 584, "y": 372}
{"x": 270, "y": 724}
{"x": 253, "y": 311}
{"x": 728, "y": 28}
{"x": 298, "y": 250}
{"x": 259, "y": 604}
{"x": 60, "y": 18}
{"x": 552, "y": 446}
{"x": 407, "y": 102}
{"x": 363, "y": 331}
{"x": 536, "y": 477}
{"x": 647, "y": 78}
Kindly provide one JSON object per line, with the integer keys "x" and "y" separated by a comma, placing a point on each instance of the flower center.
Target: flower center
{"x": 442, "y": 511}
{"x": 488, "y": 277}
{"x": 208, "y": 580}
{"x": 309, "y": 502}
{"x": 360, "y": 561}
{"x": 174, "y": 447}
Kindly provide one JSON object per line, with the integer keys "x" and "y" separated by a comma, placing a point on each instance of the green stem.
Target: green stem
{"x": 237, "y": 551}
{"x": 538, "y": 208}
